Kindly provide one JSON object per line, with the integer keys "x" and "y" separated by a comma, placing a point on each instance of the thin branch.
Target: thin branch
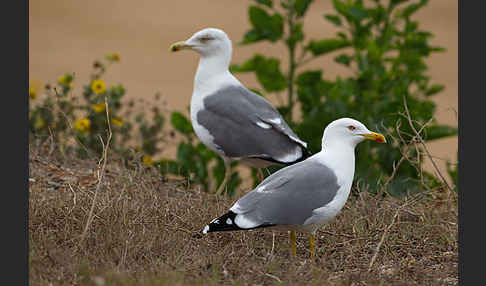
{"x": 303, "y": 61}
{"x": 423, "y": 144}
{"x": 404, "y": 156}
{"x": 100, "y": 176}
{"x": 383, "y": 236}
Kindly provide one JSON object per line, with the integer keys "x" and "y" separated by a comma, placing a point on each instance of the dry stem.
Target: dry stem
{"x": 100, "y": 176}
{"x": 423, "y": 144}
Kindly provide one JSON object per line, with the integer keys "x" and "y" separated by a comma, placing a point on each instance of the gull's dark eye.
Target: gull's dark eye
{"x": 205, "y": 39}
{"x": 351, "y": 128}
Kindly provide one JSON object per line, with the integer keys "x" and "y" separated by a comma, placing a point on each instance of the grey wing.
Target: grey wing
{"x": 268, "y": 114}
{"x": 289, "y": 195}
{"x": 241, "y": 125}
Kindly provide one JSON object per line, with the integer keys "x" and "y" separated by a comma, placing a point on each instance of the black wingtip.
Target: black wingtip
{"x": 305, "y": 153}
{"x": 225, "y": 222}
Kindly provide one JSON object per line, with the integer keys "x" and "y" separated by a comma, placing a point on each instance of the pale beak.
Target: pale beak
{"x": 375, "y": 137}
{"x": 179, "y": 46}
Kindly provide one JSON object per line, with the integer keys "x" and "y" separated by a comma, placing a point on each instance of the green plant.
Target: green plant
{"x": 385, "y": 50}
{"x": 80, "y": 125}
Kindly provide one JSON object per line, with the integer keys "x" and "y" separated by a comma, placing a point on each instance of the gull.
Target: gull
{"x": 305, "y": 195}
{"x": 228, "y": 118}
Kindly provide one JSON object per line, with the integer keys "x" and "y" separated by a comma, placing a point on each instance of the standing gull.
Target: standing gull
{"x": 305, "y": 195}
{"x": 230, "y": 119}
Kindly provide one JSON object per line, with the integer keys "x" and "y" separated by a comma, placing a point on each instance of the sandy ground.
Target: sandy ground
{"x": 67, "y": 36}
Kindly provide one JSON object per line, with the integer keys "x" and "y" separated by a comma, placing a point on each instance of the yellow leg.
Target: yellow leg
{"x": 227, "y": 175}
{"x": 292, "y": 243}
{"x": 312, "y": 245}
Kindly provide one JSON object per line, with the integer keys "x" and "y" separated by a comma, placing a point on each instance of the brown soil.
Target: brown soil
{"x": 146, "y": 231}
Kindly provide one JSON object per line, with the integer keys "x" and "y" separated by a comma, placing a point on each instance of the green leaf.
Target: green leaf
{"x": 357, "y": 13}
{"x": 309, "y": 78}
{"x": 204, "y": 153}
{"x": 257, "y": 91}
{"x": 296, "y": 35}
{"x": 412, "y": 8}
{"x": 265, "y": 27}
{"x": 342, "y": 36}
{"x": 181, "y": 123}
{"x": 436, "y": 88}
{"x": 439, "y": 131}
{"x": 335, "y": 19}
{"x": 340, "y": 7}
{"x": 267, "y": 71}
{"x": 267, "y": 3}
{"x": 343, "y": 59}
{"x": 185, "y": 154}
{"x": 437, "y": 49}
{"x": 301, "y": 7}
{"x": 397, "y": 2}
{"x": 326, "y": 46}
{"x": 171, "y": 167}
{"x": 251, "y": 37}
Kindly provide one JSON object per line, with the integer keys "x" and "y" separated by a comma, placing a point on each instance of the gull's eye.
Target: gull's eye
{"x": 351, "y": 128}
{"x": 205, "y": 39}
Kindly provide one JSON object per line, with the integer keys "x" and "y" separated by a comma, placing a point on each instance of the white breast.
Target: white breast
{"x": 342, "y": 163}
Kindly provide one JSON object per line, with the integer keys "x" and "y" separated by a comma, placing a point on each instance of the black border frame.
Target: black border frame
{"x": 15, "y": 155}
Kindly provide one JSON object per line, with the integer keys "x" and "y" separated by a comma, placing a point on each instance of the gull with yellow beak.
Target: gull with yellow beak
{"x": 306, "y": 195}
{"x": 233, "y": 121}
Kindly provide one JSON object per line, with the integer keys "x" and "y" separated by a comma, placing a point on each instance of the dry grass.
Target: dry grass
{"x": 146, "y": 231}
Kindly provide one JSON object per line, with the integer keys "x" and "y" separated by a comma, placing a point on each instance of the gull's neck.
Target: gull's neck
{"x": 340, "y": 157}
{"x": 212, "y": 72}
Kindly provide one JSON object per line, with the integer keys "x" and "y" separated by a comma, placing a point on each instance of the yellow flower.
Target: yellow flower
{"x": 99, "y": 107}
{"x": 34, "y": 87}
{"x": 65, "y": 79}
{"x": 39, "y": 123}
{"x": 82, "y": 124}
{"x": 114, "y": 57}
{"x": 98, "y": 86}
{"x": 147, "y": 160}
{"x": 62, "y": 79}
{"x": 32, "y": 93}
{"x": 117, "y": 121}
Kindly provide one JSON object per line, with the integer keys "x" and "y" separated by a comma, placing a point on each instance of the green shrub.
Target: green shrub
{"x": 383, "y": 47}
{"x": 79, "y": 124}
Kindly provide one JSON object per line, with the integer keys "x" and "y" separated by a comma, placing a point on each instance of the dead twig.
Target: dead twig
{"x": 423, "y": 144}
{"x": 100, "y": 176}
{"x": 404, "y": 156}
{"x": 273, "y": 277}
{"x": 383, "y": 236}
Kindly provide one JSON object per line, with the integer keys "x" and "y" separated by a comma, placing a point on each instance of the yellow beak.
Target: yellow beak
{"x": 179, "y": 46}
{"x": 375, "y": 137}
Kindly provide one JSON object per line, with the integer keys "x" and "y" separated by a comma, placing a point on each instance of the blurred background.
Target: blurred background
{"x": 67, "y": 36}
